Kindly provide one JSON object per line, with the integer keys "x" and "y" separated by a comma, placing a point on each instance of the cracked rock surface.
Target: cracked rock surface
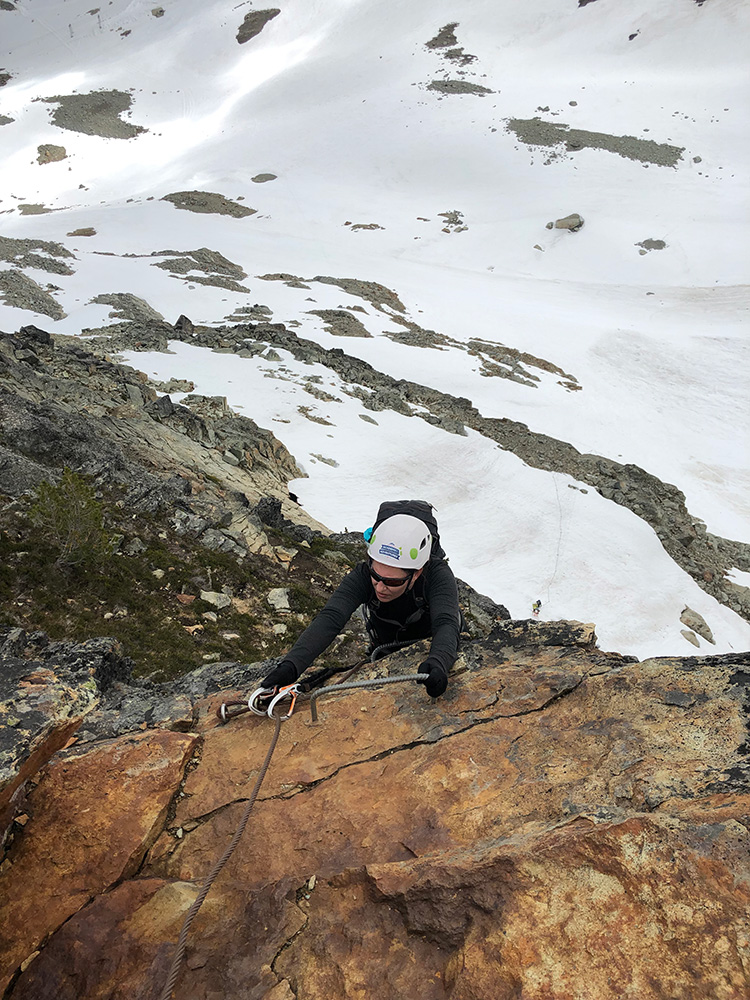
{"x": 562, "y": 815}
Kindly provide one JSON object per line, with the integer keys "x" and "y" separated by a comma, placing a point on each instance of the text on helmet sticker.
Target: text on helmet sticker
{"x": 389, "y": 550}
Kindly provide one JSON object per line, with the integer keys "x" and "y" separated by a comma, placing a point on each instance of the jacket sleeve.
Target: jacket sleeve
{"x": 445, "y": 617}
{"x": 320, "y": 633}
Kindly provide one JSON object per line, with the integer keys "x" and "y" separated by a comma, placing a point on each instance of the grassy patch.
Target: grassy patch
{"x": 150, "y": 601}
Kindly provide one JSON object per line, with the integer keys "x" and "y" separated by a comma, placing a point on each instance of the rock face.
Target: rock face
{"x": 562, "y": 823}
{"x": 132, "y": 783}
{"x": 46, "y": 690}
{"x": 61, "y": 405}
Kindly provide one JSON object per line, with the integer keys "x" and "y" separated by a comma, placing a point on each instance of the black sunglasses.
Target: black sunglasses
{"x": 389, "y": 581}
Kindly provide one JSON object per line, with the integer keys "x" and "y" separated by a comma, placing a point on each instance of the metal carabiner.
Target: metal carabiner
{"x": 230, "y": 710}
{"x": 259, "y": 700}
{"x": 289, "y": 691}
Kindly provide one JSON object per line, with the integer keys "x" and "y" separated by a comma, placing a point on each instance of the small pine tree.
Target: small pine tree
{"x": 72, "y": 519}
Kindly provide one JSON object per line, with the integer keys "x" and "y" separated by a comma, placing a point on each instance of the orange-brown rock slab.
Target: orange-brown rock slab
{"x": 357, "y": 947}
{"x": 407, "y": 803}
{"x": 446, "y": 850}
{"x": 93, "y": 817}
{"x": 357, "y": 727}
{"x": 583, "y": 913}
{"x": 625, "y": 911}
{"x": 646, "y": 909}
{"x": 85, "y": 957}
{"x": 404, "y": 778}
{"x": 121, "y": 946}
{"x": 282, "y": 991}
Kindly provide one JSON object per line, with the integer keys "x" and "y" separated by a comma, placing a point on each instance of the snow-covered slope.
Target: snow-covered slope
{"x": 429, "y": 125}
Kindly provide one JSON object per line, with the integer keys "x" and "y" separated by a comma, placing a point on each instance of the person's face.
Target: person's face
{"x": 391, "y": 573}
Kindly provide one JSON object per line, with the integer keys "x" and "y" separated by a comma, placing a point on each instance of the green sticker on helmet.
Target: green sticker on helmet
{"x": 413, "y": 553}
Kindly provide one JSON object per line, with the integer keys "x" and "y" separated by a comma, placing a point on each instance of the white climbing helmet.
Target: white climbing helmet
{"x": 401, "y": 540}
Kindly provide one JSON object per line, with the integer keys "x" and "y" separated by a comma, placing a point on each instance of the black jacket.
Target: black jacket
{"x": 430, "y": 608}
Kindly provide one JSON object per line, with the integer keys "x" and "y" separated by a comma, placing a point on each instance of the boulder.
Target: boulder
{"x": 48, "y": 153}
{"x": 690, "y": 636}
{"x": 217, "y": 600}
{"x": 278, "y": 599}
{"x": 572, "y": 223}
{"x": 697, "y": 623}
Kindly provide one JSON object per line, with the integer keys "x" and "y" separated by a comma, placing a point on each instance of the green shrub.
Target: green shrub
{"x": 72, "y": 520}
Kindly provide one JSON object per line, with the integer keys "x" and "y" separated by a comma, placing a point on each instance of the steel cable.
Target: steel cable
{"x": 376, "y": 653}
{"x": 179, "y": 954}
{"x": 181, "y": 948}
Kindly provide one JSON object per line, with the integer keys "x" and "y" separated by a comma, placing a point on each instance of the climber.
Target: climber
{"x": 406, "y": 590}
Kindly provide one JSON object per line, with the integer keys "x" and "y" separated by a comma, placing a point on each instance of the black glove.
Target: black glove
{"x": 437, "y": 681}
{"x": 285, "y": 673}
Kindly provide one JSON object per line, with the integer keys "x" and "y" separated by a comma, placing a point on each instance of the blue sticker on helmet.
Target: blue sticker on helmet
{"x": 389, "y": 550}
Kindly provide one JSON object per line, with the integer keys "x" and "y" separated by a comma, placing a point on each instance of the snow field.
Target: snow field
{"x": 332, "y": 97}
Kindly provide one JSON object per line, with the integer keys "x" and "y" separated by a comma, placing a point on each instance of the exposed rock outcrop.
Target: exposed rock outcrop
{"x": 458, "y": 87}
{"x": 46, "y": 690}
{"x": 560, "y": 816}
{"x": 42, "y": 255}
{"x": 61, "y": 405}
{"x": 96, "y": 113}
{"x": 19, "y": 290}
{"x": 341, "y": 323}
{"x": 565, "y": 140}
{"x": 254, "y": 23}
{"x": 208, "y": 202}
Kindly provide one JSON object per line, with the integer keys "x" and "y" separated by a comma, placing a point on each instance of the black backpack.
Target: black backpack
{"x": 416, "y": 508}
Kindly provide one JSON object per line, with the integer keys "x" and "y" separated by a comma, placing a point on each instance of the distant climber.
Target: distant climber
{"x": 406, "y": 590}
{"x": 536, "y": 607}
